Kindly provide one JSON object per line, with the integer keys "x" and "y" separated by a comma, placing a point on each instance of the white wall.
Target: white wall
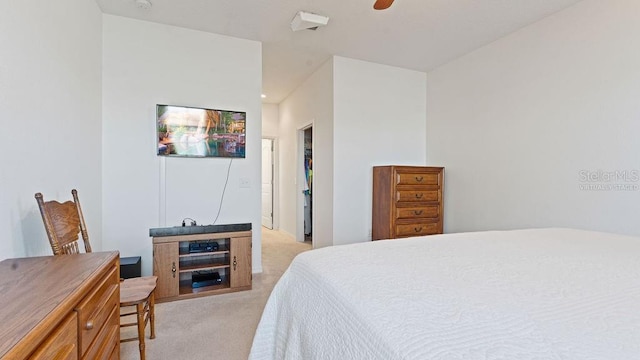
{"x": 50, "y": 57}
{"x": 379, "y": 119}
{"x": 364, "y": 114}
{"x": 270, "y": 120}
{"x": 145, "y": 64}
{"x": 517, "y": 121}
{"x": 311, "y": 102}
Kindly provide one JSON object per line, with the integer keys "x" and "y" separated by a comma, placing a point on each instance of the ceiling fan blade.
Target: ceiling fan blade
{"x": 382, "y": 4}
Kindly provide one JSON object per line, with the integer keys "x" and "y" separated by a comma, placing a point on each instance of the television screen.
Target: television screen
{"x": 198, "y": 132}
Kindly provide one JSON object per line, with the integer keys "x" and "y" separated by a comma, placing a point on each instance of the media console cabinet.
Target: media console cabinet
{"x": 192, "y": 261}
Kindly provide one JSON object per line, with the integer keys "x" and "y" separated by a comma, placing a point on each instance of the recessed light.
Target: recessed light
{"x": 143, "y": 4}
{"x": 263, "y": 96}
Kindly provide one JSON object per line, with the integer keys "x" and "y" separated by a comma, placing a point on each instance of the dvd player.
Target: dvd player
{"x": 197, "y": 247}
{"x": 207, "y": 279}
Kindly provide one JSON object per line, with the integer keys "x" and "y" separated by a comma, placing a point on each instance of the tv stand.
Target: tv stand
{"x": 176, "y": 264}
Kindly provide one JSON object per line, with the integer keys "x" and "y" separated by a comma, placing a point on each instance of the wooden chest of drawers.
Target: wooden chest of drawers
{"x": 407, "y": 201}
{"x": 60, "y": 307}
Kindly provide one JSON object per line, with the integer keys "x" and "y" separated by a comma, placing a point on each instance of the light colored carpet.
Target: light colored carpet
{"x": 220, "y": 326}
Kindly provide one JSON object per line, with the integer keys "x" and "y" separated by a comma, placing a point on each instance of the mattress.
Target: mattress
{"x": 522, "y": 294}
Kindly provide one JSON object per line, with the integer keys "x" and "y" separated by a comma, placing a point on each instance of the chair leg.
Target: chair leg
{"x": 152, "y": 314}
{"x": 140, "y": 314}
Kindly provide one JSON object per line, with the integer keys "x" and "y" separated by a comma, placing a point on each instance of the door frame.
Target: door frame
{"x": 275, "y": 193}
{"x": 300, "y": 179}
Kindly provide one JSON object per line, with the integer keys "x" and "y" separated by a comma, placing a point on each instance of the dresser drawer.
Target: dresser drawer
{"x": 418, "y": 212}
{"x": 102, "y": 348}
{"x": 406, "y": 230}
{"x": 95, "y": 310}
{"x": 416, "y": 178}
{"x": 417, "y": 195}
{"x": 115, "y": 352}
{"x": 62, "y": 344}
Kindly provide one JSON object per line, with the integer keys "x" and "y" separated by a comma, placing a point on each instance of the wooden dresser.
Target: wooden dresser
{"x": 407, "y": 201}
{"x": 60, "y": 307}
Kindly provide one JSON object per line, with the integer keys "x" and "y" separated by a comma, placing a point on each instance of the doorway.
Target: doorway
{"x": 305, "y": 164}
{"x": 267, "y": 182}
{"x": 308, "y": 171}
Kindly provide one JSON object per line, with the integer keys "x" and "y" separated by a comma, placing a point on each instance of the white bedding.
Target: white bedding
{"x": 523, "y": 294}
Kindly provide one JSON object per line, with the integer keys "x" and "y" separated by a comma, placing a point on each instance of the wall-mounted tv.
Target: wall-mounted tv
{"x": 198, "y": 132}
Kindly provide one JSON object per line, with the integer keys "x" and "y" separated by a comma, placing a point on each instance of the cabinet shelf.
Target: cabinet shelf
{"x": 186, "y": 254}
{"x": 204, "y": 264}
{"x": 185, "y": 287}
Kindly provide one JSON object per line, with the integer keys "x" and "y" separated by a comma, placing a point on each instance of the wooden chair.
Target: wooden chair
{"x": 63, "y": 222}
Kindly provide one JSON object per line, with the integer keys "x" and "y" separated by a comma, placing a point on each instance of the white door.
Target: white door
{"x": 267, "y": 183}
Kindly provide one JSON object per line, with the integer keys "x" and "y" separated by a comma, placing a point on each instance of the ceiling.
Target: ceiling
{"x": 413, "y": 34}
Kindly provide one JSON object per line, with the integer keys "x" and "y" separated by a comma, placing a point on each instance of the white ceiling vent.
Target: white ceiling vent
{"x": 306, "y": 20}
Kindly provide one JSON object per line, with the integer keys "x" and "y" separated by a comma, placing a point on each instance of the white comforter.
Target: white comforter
{"x": 513, "y": 295}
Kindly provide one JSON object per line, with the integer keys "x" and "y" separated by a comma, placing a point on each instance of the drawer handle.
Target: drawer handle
{"x": 419, "y": 196}
{"x": 235, "y": 263}
{"x": 419, "y": 179}
{"x": 89, "y": 325}
{"x": 173, "y": 269}
{"x": 417, "y": 229}
{"x": 417, "y": 212}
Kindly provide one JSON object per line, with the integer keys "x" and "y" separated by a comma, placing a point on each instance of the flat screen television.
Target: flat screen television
{"x": 184, "y": 131}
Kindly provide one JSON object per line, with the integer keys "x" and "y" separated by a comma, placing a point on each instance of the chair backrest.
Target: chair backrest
{"x": 63, "y": 222}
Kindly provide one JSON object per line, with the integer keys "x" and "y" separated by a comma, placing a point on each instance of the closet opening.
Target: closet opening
{"x": 304, "y": 181}
{"x": 308, "y": 185}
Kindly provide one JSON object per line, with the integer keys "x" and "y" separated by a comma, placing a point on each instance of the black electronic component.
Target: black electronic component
{"x": 130, "y": 267}
{"x": 199, "y": 280}
{"x": 198, "y": 247}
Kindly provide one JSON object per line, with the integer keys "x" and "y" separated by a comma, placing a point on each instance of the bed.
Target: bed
{"x": 521, "y": 294}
